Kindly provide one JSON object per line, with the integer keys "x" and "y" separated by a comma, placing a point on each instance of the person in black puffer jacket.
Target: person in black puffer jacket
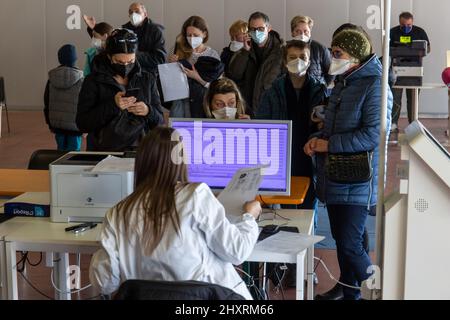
{"x": 117, "y": 122}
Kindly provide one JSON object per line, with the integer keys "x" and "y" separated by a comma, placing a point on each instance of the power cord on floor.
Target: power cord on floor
{"x": 332, "y": 277}
{"x": 35, "y": 289}
{"x": 66, "y": 292}
{"x": 20, "y": 269}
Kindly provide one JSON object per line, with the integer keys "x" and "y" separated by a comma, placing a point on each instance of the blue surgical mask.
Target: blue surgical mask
{"x": 406, "y": 29}
{"x": 258, "y": 36}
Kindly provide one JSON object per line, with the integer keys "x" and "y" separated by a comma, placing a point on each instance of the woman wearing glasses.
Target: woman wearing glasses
{"x": 352, "y": 126}
{"x": 118, "y": 102}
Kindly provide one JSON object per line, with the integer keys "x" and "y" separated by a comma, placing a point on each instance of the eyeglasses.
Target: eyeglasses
{"x": 337, "y": 54}
{"x": 262, "y": 29}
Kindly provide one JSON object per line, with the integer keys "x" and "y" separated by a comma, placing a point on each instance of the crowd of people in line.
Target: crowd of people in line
{"x": 169, "y": 229}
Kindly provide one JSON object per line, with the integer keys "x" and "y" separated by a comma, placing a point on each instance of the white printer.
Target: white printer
{"x": 80, "y": 195}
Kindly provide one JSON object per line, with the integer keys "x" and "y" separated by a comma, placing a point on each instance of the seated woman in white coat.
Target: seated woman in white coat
{"x": 169, "y": 229}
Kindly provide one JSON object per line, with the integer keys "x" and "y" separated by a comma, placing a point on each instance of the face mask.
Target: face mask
{"x": 406, "y": 29}
{"x": 136, "y": 19}
{"x": 339, "y": 66}
{"x": 225, "y": 113}
{"x": 298, "y": 67}
{"x": 195, "y": 42}
{"x": 122, "y": 70}
{"x": 97, "y": 43}
{"x": 236, "y": 46}
{"x": 302, "y": 37}
{"x": 258, "y": 36}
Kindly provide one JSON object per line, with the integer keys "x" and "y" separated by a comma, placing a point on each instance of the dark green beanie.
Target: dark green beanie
{"x": 354, "y": 42}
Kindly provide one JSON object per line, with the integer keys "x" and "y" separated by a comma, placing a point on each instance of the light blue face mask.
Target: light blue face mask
{"x": 258, "y": 36}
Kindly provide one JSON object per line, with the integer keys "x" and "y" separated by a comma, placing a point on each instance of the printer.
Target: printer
{"x": 407, "y": 62}
{"x": 79, "y": 194}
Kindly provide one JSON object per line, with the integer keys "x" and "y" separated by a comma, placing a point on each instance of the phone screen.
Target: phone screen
{"x": 133, "y": 92}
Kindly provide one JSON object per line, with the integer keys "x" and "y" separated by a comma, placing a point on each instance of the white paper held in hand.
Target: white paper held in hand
{"x": 174, "y": 82}
{"x": 242, "y": 188}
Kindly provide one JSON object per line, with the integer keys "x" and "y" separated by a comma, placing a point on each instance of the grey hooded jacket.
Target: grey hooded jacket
{"x": 61, "y": 99}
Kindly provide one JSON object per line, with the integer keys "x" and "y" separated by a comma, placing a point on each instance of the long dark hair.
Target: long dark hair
{"x": 158, "y": 178}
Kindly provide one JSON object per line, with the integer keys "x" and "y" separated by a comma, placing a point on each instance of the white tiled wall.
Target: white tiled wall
{"x": 33, "y": 30}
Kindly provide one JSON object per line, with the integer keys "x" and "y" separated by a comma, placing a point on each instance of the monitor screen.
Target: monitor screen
{"x": 216, "y": 149}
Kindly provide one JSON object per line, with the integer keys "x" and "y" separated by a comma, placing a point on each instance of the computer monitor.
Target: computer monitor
{"x": 216, "y": 149}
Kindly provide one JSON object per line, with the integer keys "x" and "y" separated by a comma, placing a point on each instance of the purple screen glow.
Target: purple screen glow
{"x": 216, "y": 150}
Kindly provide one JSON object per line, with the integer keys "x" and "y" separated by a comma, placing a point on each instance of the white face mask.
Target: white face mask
{"x": 339, "y": 66}
{"x": 236, "y": 46}
{"x": 298, "y": 67}
{"x": 302, "y": 37}
{"x": 136, "y": 19}
{"x": 195, "y": 42}
{"x": 97, "y": 43}
{"x": 225, "y": 113}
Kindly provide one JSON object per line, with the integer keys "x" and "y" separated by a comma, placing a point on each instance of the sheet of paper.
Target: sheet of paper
{"x": 287, "y": 242}
{"x": 114, "y": 164}
{"x": 174, "y": 82}
{"x": 242, "y": 188}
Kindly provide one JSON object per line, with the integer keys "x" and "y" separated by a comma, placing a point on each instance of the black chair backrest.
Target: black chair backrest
{"x": 174, "y": 290}
{"x": 41, "y": 159}
{"x": 2, "y": 90}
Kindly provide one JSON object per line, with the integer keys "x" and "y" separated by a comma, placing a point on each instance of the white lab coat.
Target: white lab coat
{"x": 206, "y": 249}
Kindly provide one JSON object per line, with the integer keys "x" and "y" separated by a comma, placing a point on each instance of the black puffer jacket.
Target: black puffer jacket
{"x": 209, "y": 69}
{"x": 151, "y": 44}
{"x": 320, "y": 62}
{"x": 255, "y": 77}
{"x": 96, "y": 104}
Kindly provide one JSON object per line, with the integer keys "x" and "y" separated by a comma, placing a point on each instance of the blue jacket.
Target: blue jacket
{"x": 357, "y": 129}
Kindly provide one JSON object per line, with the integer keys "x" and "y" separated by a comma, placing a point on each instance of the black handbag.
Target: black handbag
{"x": 120, "y": 133}
{"x": 348, "y": 168}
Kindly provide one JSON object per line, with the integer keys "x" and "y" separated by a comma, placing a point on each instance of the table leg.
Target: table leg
{"x": 61, "y": 276}
{"x": 11, "y": 271}
{"x": 447, "y": 133}
{"x": 264, "y": 281}
{"x": 310, "y": 273}
{"x": 3, "y": 278}
{"x": 300, "y": 294}
{"x": 415, "y": 99}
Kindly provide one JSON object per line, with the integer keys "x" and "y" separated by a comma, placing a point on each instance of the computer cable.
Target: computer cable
{"x": 35, "y": 289}
{"x": 67, "y": 292}
{"x": 333, "y": 278}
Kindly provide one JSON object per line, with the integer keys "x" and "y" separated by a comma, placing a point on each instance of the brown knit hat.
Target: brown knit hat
{"x": 354, "y": 42}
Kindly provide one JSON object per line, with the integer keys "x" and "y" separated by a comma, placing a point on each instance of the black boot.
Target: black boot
{"x": 336, "y": 293}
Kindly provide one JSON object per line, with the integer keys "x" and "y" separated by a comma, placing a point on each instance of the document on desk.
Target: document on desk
{"x": 288, "y": 242}
{"x": 174, "y": 82}
{"x": 114, "y": 164}
{"x": 242, "y": 188}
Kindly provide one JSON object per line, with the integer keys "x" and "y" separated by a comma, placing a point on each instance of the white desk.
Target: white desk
{"x": 39, "y": 234}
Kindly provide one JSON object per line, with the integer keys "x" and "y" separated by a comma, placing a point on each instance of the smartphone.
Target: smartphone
{"x": 132, "y": 92}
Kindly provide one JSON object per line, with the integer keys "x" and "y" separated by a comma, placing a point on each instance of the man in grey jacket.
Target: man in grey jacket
{"x": 61, "y": 100}
{"x": 258, "y": 64}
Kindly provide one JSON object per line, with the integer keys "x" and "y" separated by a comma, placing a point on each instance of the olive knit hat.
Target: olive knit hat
{"x": 354, "y": 42}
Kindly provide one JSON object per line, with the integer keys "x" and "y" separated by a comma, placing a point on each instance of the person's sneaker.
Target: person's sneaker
{"x": 336, "y": 293}
{"x": 393, "y": 136}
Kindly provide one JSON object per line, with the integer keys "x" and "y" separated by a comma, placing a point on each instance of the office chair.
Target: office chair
{"x": 41, "y": 159}
{"x": 3, "y": 103}
{"x": 174, "y": 290}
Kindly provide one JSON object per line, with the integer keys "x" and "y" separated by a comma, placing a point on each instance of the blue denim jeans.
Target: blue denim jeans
{"x": 68, "y": 143}
{"x": 347, "y": 224}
